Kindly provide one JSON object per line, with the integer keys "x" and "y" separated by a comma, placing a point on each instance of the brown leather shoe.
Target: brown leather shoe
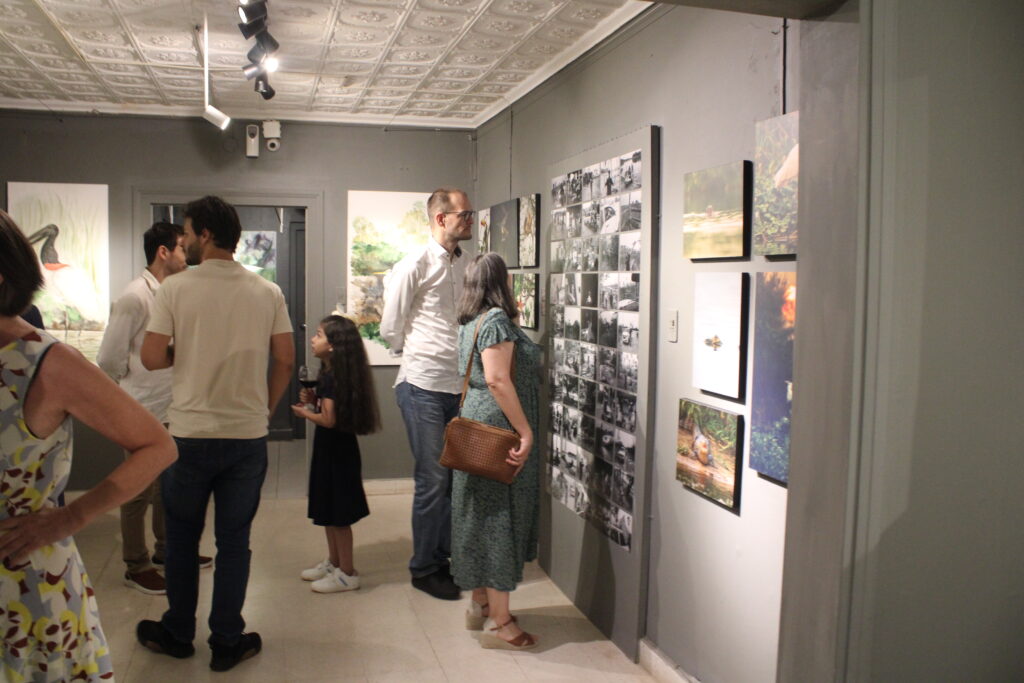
{"x": 147, "y": 581}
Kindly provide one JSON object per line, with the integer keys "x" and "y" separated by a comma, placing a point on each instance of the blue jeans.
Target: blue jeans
{"x": 425, "y": 414}
{"x": 233, "y": 471}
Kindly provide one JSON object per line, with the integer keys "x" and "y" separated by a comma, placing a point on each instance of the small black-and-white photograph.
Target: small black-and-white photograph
{"x": 588, "y": 429}
{"x": 625, "y": 451}
{"x": 630, "y": 211}
{"x": 574, "y": 221}
{"x": 572, "y": 321}
{"x": 629, "y": 371}
{"x": 572, "y": 289}
{"x": 588, "y": 289}
{"x": 608, "y": 328}
{"x": 555, "y": 387}
{"x": 570, "y": 390}
{"x": 574, "y": 187}
{"x": 629, "y": 331}
{"x": 609, "y": 215}
{"x": 581, "y": 502}
{"x": 591, "y": 182}
{"x": 622, "y": 489}
{"x": 557, "y": 415}
{"x": 611, "y": 183}
{"x": 609, "y": 258}
{"x": 558, "y": 354}
{"x": 556, "y": 289}
{"x": 606, "y": 445}
{"x": 558, "y": 321}
{"x": 629, "y": 251}
{"x": 588, "y": 398}
{"x": 571, "y": 425}
{"x": 629, "y": 291}
{"x": 588, "y": 325}
{"x": 588, "y": 361}
{"x": 607, "y": 363}
{"x": 591, "y": 253}
{"x": 610, "y": 287}
{"x": 574, "y": 257}
{"x": 591, "y": 218}
{"x": 558, "y": 191}
{"x": 631, "y": 172}
{"x": 557, "y": 483}
{"x": 572, "y": 357}
{"x": 556, "y": 229}
{"x": 557, "y": 257}
{"x": 607, "y": 404}
{"x": 625, "y": 414}
{"x": 570, "y": 461}
{"x": 602, "y": 478}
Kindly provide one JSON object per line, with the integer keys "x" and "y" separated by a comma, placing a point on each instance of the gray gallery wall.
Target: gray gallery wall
{"x": 705, "y": 77}
{"x": 187, "y": 157}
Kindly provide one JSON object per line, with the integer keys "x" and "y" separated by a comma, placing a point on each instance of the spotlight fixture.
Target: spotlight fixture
{"x": 254, "y": 23}
{"x": 265, "y": 46}
{"x": 252, "y": 28}
{"x": 252, "y": 11}
{"x": 216, "y": 117}
{"x": 263, "y": 87}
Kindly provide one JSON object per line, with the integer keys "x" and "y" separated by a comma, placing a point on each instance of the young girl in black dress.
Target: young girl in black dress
{"x": 347, "y": 407}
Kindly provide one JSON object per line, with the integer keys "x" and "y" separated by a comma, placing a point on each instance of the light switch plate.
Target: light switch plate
{"x": 673, "y": 326}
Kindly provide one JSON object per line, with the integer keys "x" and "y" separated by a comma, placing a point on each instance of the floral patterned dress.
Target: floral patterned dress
{"x": 48, "y": 615}
{"x": 494, "y": 525}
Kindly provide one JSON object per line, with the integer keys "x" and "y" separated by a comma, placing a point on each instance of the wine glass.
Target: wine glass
{"x": 307, "y": 378}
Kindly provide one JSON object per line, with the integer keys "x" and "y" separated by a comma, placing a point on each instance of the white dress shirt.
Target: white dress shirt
{"x": 122, "y": 342}
{"x": 419, "y": 319}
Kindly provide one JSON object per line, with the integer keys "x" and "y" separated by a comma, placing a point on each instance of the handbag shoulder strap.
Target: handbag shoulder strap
{"x": 472, "y": 352}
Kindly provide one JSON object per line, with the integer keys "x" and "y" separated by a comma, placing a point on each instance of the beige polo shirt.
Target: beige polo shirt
{"x": 221, "y": 318}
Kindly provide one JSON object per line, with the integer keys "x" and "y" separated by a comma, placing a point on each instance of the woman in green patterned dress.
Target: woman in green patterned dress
{"x": 495, "y": 525}
{"x": 48, "y": 616}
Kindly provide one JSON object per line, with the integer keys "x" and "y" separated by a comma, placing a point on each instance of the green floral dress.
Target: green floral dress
{"x": 48, "y": 615}
{"x": 495, "y": 525}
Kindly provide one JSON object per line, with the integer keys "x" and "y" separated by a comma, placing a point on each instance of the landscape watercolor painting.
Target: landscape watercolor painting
{"x": 714, "y": 220}
{"x": 383, "y": 227}
{"x": 68, "y": 226}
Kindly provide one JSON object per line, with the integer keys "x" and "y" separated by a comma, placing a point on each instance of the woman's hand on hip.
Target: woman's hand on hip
{"x": 20, "y": 535}
{"x": 518, "y": 456}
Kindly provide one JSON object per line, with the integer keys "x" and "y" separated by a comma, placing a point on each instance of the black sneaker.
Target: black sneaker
{"x": 439, "y": 585}
{"x": 153, "y": 636}
{"x": 226, "y": 656}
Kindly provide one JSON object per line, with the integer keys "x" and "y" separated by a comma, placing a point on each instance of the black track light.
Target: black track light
{"x": 252, "y": 70}
{"x": 264, "y": 47}
{"x": 251, "y": 11}
{"x": 252, "y": 28}
{"x": 263, "y": 87}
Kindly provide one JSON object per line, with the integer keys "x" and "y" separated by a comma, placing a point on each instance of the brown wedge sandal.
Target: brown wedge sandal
{"x": 490, "y": 639}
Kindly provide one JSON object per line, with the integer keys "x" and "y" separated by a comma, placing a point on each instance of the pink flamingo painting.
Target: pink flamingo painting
{"x": 69, "y": 285}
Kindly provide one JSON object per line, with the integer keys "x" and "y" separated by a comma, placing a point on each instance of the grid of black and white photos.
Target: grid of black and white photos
{"x": 594, "y": 298}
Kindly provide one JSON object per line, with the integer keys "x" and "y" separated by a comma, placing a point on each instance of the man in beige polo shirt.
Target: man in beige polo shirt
{"x": 226, "y": 324}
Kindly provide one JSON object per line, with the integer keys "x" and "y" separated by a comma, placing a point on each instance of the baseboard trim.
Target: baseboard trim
{"x": 387, "y": 487}
{"x": 660, "y": 667}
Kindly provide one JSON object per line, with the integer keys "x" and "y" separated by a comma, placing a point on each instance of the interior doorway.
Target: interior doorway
{"x": 273, "y": 245}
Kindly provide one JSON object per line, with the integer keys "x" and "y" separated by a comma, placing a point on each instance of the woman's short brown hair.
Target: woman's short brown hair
{"x": 486, "y": 287}
{"x": 19, "y": 268}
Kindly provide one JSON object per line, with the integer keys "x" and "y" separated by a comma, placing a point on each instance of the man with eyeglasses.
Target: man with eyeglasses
{"x": 419, "y": 323}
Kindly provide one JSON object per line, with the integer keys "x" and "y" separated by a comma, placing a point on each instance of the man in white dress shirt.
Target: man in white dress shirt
{"x": 119, "y": 357}
{"x": 419, "y": 322}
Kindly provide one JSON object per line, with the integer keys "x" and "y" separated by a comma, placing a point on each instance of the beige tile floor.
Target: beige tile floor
{"x": 386, "y": 631}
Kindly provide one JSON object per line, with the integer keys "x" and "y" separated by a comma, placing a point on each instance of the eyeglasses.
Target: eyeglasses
{"x": 463, "y": 215}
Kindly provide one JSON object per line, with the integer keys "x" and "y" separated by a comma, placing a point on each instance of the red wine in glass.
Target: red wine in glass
{"x": 307, "y": 378}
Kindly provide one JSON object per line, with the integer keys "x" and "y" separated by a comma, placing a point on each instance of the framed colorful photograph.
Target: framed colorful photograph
{"x": 483, "y": 231}
{"x": 529, "y": 236}
{"x": 719, "y": 333}
{"x": 524, "y": 289}
{"x": 776, "y": 171}
{"x": 716, "y": 222}
{"x": 709, "y": 444}
{"x": 504, "y": 231}
{"x": 772, "y": 393}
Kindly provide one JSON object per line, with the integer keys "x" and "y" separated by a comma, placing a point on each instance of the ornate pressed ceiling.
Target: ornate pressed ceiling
{"x": 437, "y": 63}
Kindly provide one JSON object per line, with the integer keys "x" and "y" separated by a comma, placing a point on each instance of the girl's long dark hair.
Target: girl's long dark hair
{"x": 355, "y": 401}
{"x": 486, "y": 287}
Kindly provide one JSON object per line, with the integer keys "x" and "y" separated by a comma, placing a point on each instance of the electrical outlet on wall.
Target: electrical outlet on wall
{"x": 673, "y": 326}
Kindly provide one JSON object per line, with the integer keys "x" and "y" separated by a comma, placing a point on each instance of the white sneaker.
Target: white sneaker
{"x": 336, "y": 581}
{"x": 317, "y": 572}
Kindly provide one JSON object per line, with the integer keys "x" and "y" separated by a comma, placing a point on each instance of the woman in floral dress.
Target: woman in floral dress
{"x": 48, "y": 616}
{"x": 495, "y": 525}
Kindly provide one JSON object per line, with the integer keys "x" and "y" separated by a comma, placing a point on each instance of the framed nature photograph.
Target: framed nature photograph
{"x": 716, "y": 224}
{"x": 524, "y": 289}
{"x": 529, "y": 236}
{"x": 709, "y": 442}
{"x": 776, "y": 172}
{"x": 504, "y": 230}
{"x": 719, "y": 345}
{"x": 772, "y": 393}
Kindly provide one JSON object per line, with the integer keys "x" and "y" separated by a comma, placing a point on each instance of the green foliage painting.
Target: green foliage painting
{"x": 383, "y": 228}
{"x": 707, "y": 451}
{"x": 776, "y": 168}
{"x": 713, "y": 219}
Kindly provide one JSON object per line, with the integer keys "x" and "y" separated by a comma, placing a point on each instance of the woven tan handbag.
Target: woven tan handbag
{"x": 476, "y": 447}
